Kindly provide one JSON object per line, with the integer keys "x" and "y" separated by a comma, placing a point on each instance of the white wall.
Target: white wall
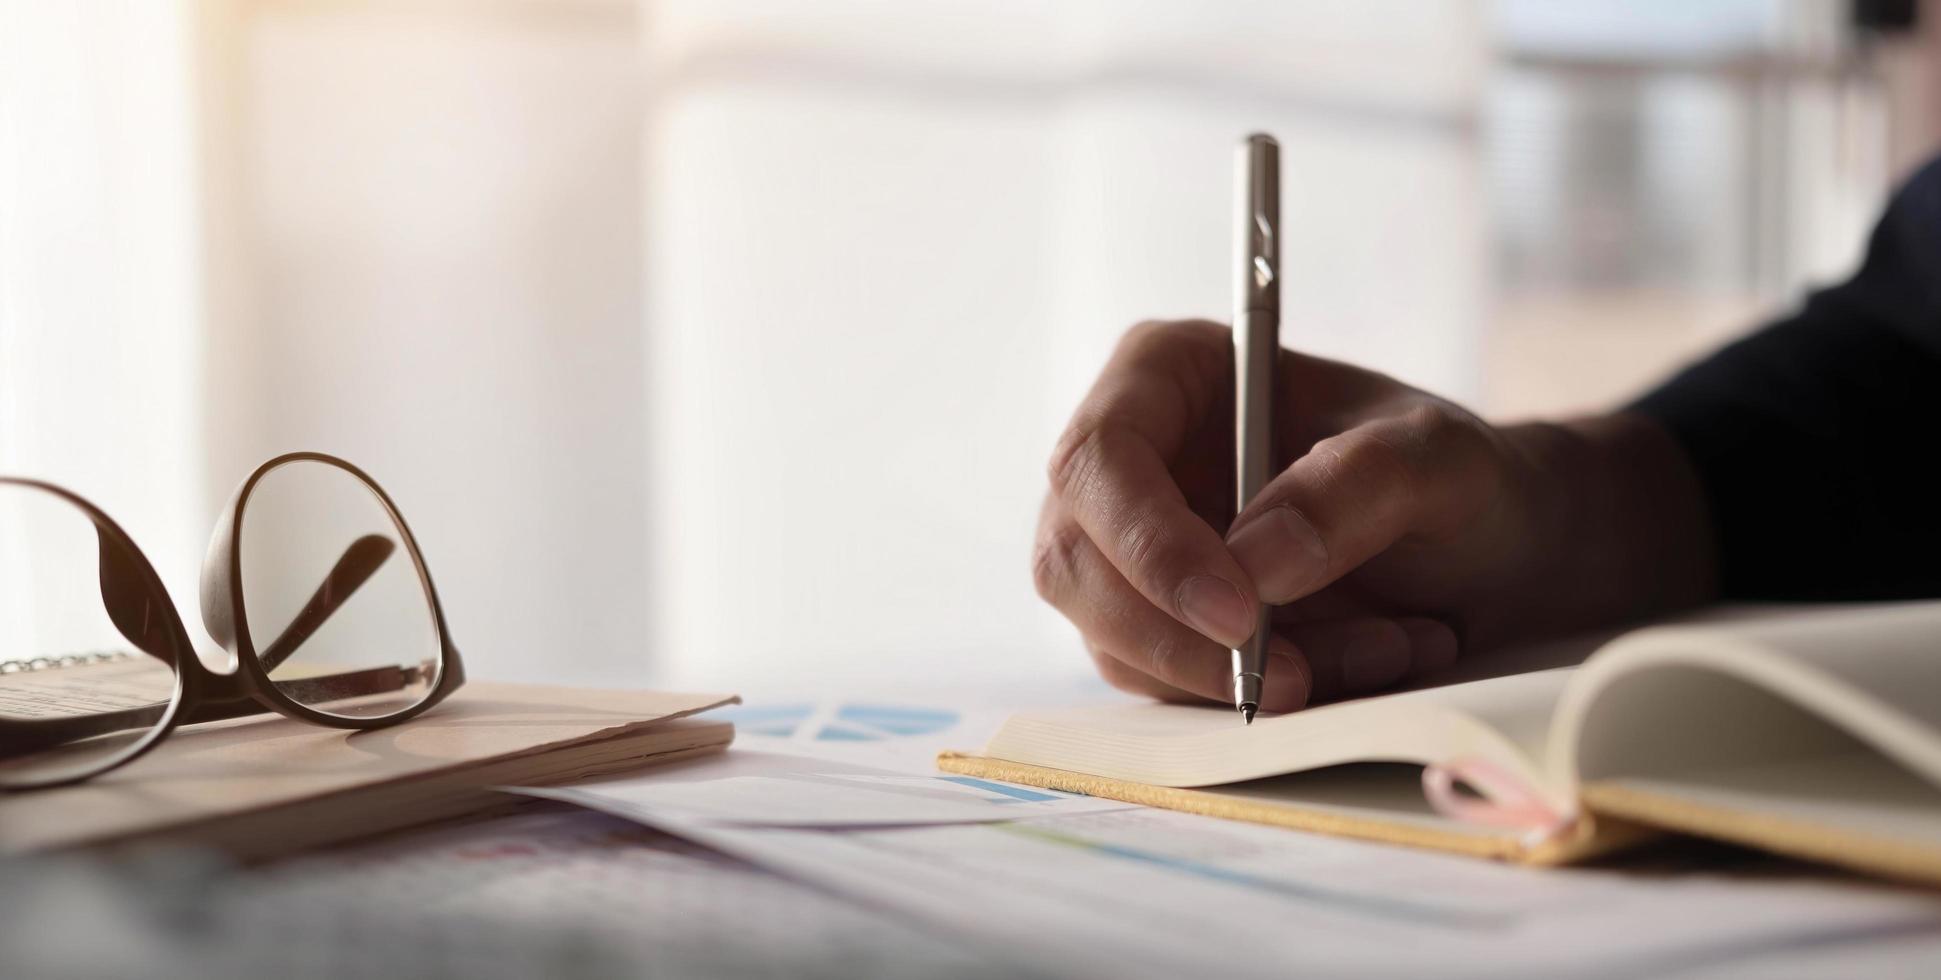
{"x": 433, "y": 270}
{"x": 99, "y": 297}
{"x": 890, "y": 244}
{"x": 720, "y": 343}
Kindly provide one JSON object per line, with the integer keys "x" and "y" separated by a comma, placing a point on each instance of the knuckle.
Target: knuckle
{"x": 1140, "y": 542}
{"x": 1432, "y": 422}
{"x": 1388, "y": 634}
{"x": 1054, "y": 560}
{"x": 1380, "y": 457}
{"x": 1444, "y": 431}
{"x": 1346, "y": 456}
{"x": 1144, "y": 548}
{"x": 1118, "y": 675}
{"x": 1151, "y": 335}
{"x": 1165, "y": 658}
{"x": 1076, "y": 456}
{"x": 1326, "y": 457}
{"x": 1141, "y": 333}
{"x": 1458, "y": 447}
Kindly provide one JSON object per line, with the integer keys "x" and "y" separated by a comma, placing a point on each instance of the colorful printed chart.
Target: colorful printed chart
{"x": 840, "y": 723}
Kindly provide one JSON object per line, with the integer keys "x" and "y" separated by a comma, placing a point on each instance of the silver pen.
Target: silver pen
{"x": 1256, "y": 348}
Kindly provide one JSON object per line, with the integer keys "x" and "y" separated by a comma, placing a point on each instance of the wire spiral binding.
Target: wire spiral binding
{"x": 64, "y": 660}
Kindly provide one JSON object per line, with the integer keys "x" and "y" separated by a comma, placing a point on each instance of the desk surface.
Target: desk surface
{"x": 562, "y": 893}
{"x": 559, "y": 892}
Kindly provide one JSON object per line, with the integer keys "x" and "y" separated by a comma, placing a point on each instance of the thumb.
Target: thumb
{"x": 1355, "y": 494}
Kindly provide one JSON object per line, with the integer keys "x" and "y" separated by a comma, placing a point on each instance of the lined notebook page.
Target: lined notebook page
{"x": 1503, "y": 719}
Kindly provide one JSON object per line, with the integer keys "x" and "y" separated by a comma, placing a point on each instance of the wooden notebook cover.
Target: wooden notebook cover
{"x": 268, "y": 784}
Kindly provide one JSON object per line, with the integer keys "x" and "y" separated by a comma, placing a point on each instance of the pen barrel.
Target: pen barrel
{"x": 1256, "y": 350}
{"x": 1256, "y": 314}
{"x": 1256, "y": 355}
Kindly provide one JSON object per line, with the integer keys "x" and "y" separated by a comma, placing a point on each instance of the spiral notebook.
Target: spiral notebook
{"x": 1815, "y": 734}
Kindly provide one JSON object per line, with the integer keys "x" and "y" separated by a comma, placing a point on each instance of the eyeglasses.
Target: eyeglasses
{"x": 313, "y": 584}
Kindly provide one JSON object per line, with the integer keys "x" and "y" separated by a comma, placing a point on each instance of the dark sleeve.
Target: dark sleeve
{"x": 1818, "y": 439}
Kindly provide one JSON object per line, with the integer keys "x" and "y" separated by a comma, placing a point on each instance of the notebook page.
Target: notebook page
{"x": 1861, "y": 793}
{"x": 1810, "y": 734}
{"x": 85, "y": 689}
{"x": 1503, "y": 720}
{"x": 1792, "y": 684}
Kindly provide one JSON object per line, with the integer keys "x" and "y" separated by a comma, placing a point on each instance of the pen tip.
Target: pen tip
{"x": 1247, "y": 712}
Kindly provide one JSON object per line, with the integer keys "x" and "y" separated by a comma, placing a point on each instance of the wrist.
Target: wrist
{"x": 1619, "y": 523}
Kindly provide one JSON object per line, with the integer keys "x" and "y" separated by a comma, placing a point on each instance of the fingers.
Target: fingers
{"x": 1111, "y": 472}
{"x": 1350, "y": 658}
{"x": 1132, "y": 681}
{"x": 1160, "y": 596}
{"x": 1141, "y": 648}
{"x": 1353, "y": 495}
{"x": 1314, "y": 663}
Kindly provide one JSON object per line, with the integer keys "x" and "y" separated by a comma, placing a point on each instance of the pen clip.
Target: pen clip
{"x": 1263, "y": 252}
{"x": 1257, "y": 194}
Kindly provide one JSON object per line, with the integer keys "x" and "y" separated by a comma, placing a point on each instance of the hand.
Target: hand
{"x": 1400, "y": 531}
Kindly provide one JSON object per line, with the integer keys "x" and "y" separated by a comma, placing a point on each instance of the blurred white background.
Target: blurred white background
{"x": 720, "y": 343}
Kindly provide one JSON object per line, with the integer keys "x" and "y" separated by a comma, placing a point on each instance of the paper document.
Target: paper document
{"x": 888, "y": 735}
{"x": 750, "y": 788}
{"x": 1156, "y": 893}
{"x": 562, "y": 896}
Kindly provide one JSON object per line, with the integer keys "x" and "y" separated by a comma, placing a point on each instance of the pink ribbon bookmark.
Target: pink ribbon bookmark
{"x": 1503, "y": 800}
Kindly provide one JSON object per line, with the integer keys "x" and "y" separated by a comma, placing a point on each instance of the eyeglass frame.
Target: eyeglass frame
{"x": 205, "y": 695}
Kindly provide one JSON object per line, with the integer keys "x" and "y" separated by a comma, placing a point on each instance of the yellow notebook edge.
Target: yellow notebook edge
{"x": 1778, "y": 835}
{"x": 1585, "y": 839}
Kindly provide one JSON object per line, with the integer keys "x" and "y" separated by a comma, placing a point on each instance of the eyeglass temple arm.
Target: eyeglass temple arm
{"x": 23, "y": 736}
{"x": 355, "y": 567}
{"x": 130, "y": 600}
{"x": 127, "y": 597}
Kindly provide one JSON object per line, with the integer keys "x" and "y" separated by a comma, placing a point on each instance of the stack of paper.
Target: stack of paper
{"x": 263, "y": 786}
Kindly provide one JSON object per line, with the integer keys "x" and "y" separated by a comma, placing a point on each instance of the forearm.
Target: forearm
{"x": 1813, "y": 438}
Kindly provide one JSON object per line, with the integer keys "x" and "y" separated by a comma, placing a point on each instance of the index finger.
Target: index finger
{"x": 1111, "y": 472}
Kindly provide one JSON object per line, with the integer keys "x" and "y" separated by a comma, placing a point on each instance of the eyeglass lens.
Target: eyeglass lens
{"x": 76, "y": 693}
{"x": 338, "y": 608}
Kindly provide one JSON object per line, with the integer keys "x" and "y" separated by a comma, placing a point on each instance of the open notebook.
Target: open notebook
{"x": 1813, "y": 733}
